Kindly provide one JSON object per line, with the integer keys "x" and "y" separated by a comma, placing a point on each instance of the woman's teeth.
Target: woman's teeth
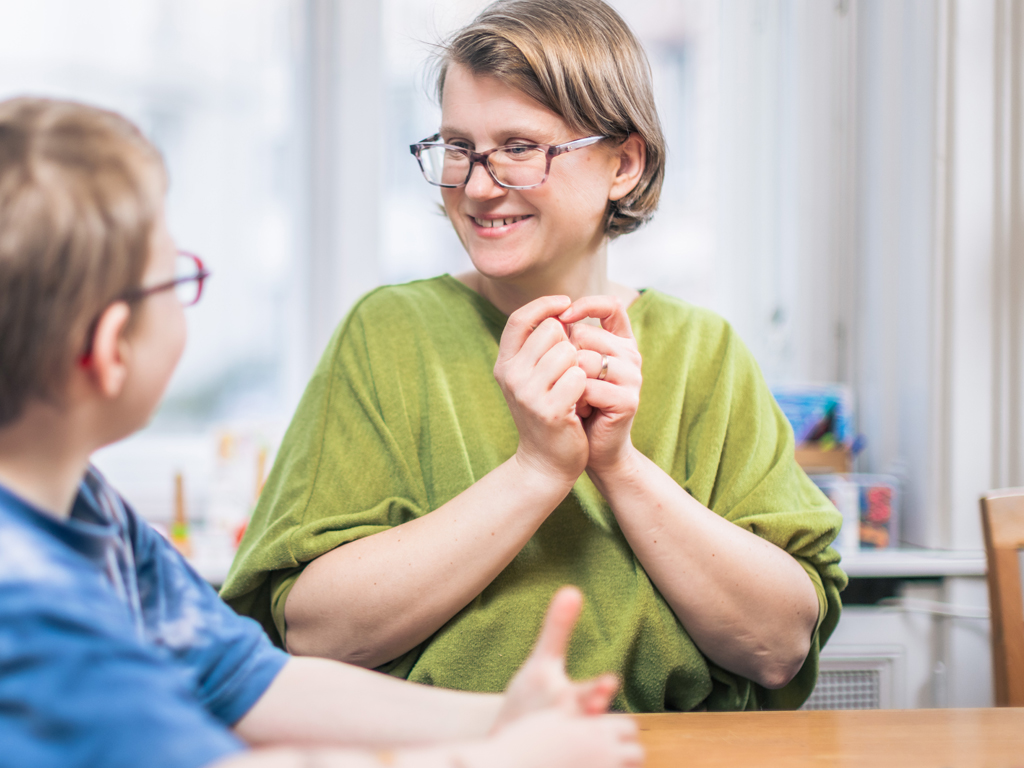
{"x": 488, "y": 223}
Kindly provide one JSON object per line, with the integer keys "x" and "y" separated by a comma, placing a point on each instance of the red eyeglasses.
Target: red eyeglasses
{"x": 190, "y": 275}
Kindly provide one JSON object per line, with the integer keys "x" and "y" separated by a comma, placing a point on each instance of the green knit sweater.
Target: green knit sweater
{"x": 403, "y": 414}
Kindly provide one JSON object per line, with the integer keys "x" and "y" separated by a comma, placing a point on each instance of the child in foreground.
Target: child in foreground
{"x": 113, "y": 651}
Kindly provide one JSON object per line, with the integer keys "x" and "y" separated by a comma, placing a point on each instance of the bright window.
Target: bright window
{"x": 212, "y": 85}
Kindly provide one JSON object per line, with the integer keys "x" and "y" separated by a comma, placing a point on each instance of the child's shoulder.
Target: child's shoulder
{"x": 72, "y": 554}
{"x": 33, "y": 548}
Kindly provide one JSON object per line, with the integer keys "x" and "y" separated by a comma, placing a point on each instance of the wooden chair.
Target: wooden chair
{"x": 1002, "y": 516}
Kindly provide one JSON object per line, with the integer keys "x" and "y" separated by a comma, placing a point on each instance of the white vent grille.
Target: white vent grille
{"x": 846, "y": 689}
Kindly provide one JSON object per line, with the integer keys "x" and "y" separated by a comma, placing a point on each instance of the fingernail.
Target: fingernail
{"x": 565, "y": 314}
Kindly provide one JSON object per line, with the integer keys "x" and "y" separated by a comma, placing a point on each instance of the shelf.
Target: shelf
{"x": 907, "y": 563}
{"x": 814, "y": 460}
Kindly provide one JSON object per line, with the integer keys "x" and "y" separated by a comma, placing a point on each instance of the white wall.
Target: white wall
{"x": 939, "y": 277}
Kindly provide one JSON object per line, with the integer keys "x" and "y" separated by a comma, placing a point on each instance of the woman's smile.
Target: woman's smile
{"x": 492, "y": 225}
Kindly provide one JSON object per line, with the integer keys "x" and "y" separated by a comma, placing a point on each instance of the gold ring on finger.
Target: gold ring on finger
{"x": 604, "y": 368}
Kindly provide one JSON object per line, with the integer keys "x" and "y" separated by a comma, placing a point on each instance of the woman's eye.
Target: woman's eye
{"x": 520, "y": 151}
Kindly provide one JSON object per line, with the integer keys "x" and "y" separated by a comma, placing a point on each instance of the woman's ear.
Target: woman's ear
{"x": 632, "y": 154}
{"x": 108, "y": 359}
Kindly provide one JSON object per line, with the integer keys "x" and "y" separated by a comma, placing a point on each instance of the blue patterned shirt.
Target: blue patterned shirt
{"x": 113, "y": 651}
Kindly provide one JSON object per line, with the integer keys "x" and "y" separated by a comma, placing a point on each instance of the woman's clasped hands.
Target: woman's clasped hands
{"x": 572, "y": 388}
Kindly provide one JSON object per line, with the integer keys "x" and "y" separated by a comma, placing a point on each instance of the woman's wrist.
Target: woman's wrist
{"x": 621, "y": 472}
{"x": 533, "y": 475}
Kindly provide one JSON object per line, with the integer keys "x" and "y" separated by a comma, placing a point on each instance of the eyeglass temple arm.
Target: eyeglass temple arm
{"x": 561, "y": 149}
{"x": 415, "y": 148}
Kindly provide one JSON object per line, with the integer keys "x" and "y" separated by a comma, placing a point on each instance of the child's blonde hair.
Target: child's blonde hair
{"x": 579, "y": 59}
{"x": 80, "y": 191}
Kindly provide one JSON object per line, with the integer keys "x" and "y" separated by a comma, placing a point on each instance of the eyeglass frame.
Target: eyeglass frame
{"x": 138, "y": 294}
{"x": 550, "y": 151}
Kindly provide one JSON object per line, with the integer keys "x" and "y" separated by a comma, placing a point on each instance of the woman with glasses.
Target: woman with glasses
{"x": 470, "y": 443}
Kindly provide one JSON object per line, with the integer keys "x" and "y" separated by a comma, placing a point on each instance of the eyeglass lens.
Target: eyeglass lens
{"x": 512, "y": 166}
{"x": 186, "y": 269}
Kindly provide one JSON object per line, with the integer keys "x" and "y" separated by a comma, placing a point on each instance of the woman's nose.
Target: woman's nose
{"x": 481, "y": 186}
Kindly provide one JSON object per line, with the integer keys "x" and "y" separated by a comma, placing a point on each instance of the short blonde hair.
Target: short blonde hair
{"x": 80, "y": 192}
{"x": 579, "y": 59}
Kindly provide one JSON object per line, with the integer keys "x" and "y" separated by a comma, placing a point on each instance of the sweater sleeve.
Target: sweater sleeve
{"x": 742, "y": 466}
{"x": 325, "y": 488}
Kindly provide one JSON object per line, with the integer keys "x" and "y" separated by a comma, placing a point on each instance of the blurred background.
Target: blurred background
{"x": 844, "y": 185}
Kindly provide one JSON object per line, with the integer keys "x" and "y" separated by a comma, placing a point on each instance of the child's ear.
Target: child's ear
{"x": 632, "y": 155}
{"x": 110, "y": 350}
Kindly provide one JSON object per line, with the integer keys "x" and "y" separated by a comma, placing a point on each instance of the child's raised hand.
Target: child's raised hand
{"x": 553, "y": 739}
{"x": 541, "y": 682}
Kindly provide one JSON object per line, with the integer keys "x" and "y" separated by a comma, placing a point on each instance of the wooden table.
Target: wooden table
{"x": 907, "y": 738}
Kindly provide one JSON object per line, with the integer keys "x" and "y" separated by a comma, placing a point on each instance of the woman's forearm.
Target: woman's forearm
{"x": 747, "y": 604}
{"x": 371, "y": 600}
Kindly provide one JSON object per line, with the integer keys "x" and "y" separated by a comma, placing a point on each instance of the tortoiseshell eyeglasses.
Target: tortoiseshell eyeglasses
{"x": 513, "y": 166}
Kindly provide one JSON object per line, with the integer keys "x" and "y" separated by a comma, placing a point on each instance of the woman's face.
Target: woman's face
{"x": 538, "y": 232}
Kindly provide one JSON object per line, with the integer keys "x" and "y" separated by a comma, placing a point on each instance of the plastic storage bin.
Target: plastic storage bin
{"x": 869, "y": 505}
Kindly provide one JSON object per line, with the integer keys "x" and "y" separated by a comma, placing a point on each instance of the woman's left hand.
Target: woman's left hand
{"x": 610, "y": 400}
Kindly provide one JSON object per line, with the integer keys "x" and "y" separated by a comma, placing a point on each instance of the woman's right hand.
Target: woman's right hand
{"x": 539, "y": 376}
